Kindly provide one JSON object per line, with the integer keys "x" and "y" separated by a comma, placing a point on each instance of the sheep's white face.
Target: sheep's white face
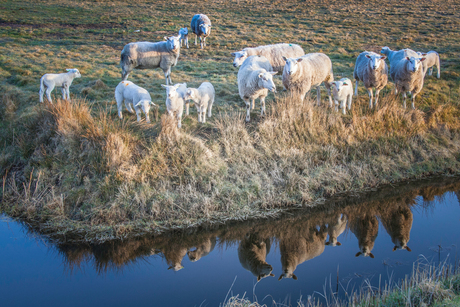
{"x": 287, "y": 274}
{"x": 145, "y": 107}
{"x": 267, "y": 80}
{"x": 385, "y": 50}
{"x": 376, "y": 61}
{"x": 205, "y": 28}
{"x": 183, "y": 31}
{"x": 240, "y": 56}
{"x": 414, "y": 64}
{"x": 171, "y": 91}
{"x": 338, "y": 86}
{"x": 174, "y": 42}
{"x": 291, "y": 66}
{"x": 75, "y": 71}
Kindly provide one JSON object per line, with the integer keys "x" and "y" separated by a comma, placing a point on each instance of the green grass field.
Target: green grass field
{"x": 74, "y": 167}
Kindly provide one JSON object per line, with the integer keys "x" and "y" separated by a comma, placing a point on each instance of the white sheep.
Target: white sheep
{"x": 133, "y": 96}
{"x": 203, "y": 98}
{"x": 175, "y": 100}
{"x": 396, "y": 56}
{"x": 64, "y": 80}
{"x": 432, "y": 58}
{"x": 145, "y": 55}
{"x": 342, "y": 91}
{"x": 255, "y": 79}
{"x": 408, "y": 77}
{"x": 303, "y": 73}
{"x": 183, "y": 32}
{"x": 274, "y": 54}
{"x": 201, "y": 26}
{"x": 371, "y": 69}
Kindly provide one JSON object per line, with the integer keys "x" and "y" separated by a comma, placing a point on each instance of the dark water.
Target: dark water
{"x": 422, "y": 217}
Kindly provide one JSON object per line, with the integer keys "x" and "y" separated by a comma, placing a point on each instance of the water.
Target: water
{"x": 35, "y": 271}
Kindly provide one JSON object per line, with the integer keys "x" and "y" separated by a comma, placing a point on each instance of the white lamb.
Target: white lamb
{"x": 408, "y": 77}
{"x": 203, "y": 98}
{"x": 133, "y": 96}
{"x": 64, "y": 80}
{"x": 310, "y": 70}
{"x": 342, "y": 91}
{"x": 432, "y": 58}
{"x": 175, "y": 100}
{"x": 183, "y": 32}
{"x": 371, "y": 69}
{"x": 255, "y": 79}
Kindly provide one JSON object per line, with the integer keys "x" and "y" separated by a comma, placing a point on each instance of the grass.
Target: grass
{"x": 73, "y": 167}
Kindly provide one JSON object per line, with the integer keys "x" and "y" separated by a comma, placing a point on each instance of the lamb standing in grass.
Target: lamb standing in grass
{"x": 203, "y": 98}
{"x": 145, "y": 55}
{"x": 64, "y": 80}
{"x": 408, "y": 77}
{"x": 175, "y": 100}
{"x": 255, "y": 79}
{"x": 201, "y": 26}
{"x": 310, "y": 70}
{"x": 133, "y": 96}
{"x": 183, "y": 32}
{"x": 432, "y": 58}
{"x": 371, "y": 69}
{"x": 342, "y": 91}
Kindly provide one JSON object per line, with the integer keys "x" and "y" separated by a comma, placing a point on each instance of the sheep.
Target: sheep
{"x": 342, "y": 91}
{"x": 175, "y": 100}
{"x": 201, "y": 26}
{"x": 203, "y": 98}
{"x": 371, "y": 69}
{"x": 432, "y": 58}
{"x": 395, "y": 56}
{"x": 398, "y": 223}
{"x": 408, "y": 77}
{"x": 336, "y": 226}
{"x": 144, "y": 55}
{"x": 202, "y": 250}
{"x": 366, "y": 228}
{"x": 274, "y": 54}
{"x": 252, "y": 252}
{"x": 64, "y": 80}
{"x": 303, "y": 73}
{"x": 133, "y": 96}
{"x": 183, "y": 32}
{"x": 255, "y": 79}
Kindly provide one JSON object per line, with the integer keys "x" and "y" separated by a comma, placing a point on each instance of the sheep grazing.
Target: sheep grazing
{"x": 203, "y": 98}
{"x": 273, "y": 53}
{"x": 64, "y": 80}
{"x": 303, "y": 73}
{"x": 408, "y": 77}
{"x": 175, "y": 100}
{"x": 366, "y": 228}
{"x": 432, "y": 58}
{"x": 371, "y": 69}
{"x": 201, "y": 26}
{"x": 145, "y": 55}
{"x": 342, "y": 91}
{"x": 183, "y": 32}
{"x": 336, "y": 226}
{"x": 252, "y": 252}
{"x": 398, "y": 223}
{"x": 255, "y": 79}
{"x": 134, "y": 97}
{"x": 202, "y": 250}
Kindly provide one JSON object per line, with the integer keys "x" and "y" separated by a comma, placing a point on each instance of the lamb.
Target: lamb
{"x": 133, "y": 96}
{"x": 64, "y": 80}
{"x": 274, "y": 54}
{"x": 303, "y": 73}
{"x": 175, "y": 100}
{"x": 342, "y": 91}
{"x": 252, "y": 252}
{"x": 255, "y": 79}
{"x": 201, "y": 26}
{"x": 432, "y": 58}
{"x": 144, "y": 55}
{"x": 371, "y": 69}
{"x": 408, "y": 77}
{"x": 203, "y": 98}
{"x": 183, "y": 32}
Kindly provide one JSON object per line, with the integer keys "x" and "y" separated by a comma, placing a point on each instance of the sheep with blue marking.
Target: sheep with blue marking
{"x": 201, "y": 26}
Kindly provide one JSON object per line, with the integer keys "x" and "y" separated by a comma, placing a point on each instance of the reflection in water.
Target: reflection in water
{"x": 301, "y": 236}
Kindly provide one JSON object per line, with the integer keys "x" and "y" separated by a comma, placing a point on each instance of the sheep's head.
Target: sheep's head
{"x": 365, "y": 251}
{"x": 287, "y": 274}
{"x": 266, "y": 78}
{"x": 171, "y": 90}
{"x": 291, "y": 66}
{"x": 75, "y": 71}
{"x": 338, "y": 86}
{"x": 414, "y": 64}
{"x": 385, "y": 50}
{"x": 376, "y": 60}
{"x": 173, "y": 42}
{"x": 183, "y": 31}
{"x": 240, "y": 56}
{"x": 145, "y": 105}
{"x": 401, "y": 243}
{"x": 189, "y": 94}
{"x": 205, "y": 29}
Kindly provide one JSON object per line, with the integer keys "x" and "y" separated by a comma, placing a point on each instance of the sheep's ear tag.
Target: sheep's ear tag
{"x": 344, "y": 83}
{"x": 290, "y": 45}
{"x": 68, "y": 69}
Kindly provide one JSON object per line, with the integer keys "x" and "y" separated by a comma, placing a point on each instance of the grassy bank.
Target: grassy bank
{"x": 75, "y": 167}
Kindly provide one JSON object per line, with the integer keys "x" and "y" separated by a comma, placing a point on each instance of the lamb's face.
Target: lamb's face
{"x": 267, "y": 80}
{"x": 205, "y": 29}
{"x": 171, "y": 91}
{"x": 240, "y": 56}
{"x": 338, "y": 87}
{"x": 145, "y": 107}
{"x": 189, "y": 94}
{"x": 376, "y": 61}
{"x": 174, "y": 42}
{"x": 75, "y": 71}
{"x": 385, "y": 50}
{"x": 183, "y": 31}
{"x": 414, "y": 64}
{"x": 291, "y": 66}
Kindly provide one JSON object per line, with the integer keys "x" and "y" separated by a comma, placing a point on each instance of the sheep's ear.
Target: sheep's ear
{"x": 299, "y": 60}
{"x": 165, "y": 38}
{"x": 368, "y": 56}
{"x": 328, "y": 243}
{"x": 138, "y": 104}
{"x": 338, "y": 243}
{"x": 423, "y": 54}
{"x": 395, "y": 248}
{"x": 284, "y": 58}
{"x": 273, "y": 72}
{"x": 166, "y": 86}
{"x": 152, "y": 104}
{"x": 67, "y": 69}
{"x": 345, "y": 83}
{"x": 422, "y": 59}
{"x": 358, "y": 254}
{"x": 233, "y": 54}
{"x": 272, "y": 275}
{"x": 281, "y": 277}
{"x": 408, "y": 249}
{"x": 294, "y": 277}
{"x": 383, "y": 57}
{"x": 371, "y": 255}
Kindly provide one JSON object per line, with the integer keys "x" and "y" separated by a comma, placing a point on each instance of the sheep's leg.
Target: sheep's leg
{"x": 198, "y": 110}
{"x": 203, "y": 115}
{"x": 356, "y": 88}
{"x": 201, "y": 42}
{"x": 210, "y": 108}
{"x": 138, "y": 113}
{"x": 187, "y": 107}
{"x": 344, "y": 106}
{"x": 48, "y": 93}
{"x": 63, "y": 93}
{"x": 328, "y": 89}
{"x": 196, "y": 36}
{"x": 65, "y": 87}
{"x": 413, "y": 101}
{"x": 41, "y": 94}
{"x": 119, "y": 107}
{"x": 404, "y": 99}
{"x": 439, "y": 70}
{"x": 369, "y": 91}
{"x": 350, "y": 98}
{"x": 262, "y": 106}
{"x": 336, "y": 103}
{"x": 248, "y": 109}
{"x": 168, "y": 76}
{"x": 129, "y": 107}
{"x": 253, "y": 104}
{"x": 377, "y": 92}
{"x": 318, "y": 96}
{"x": 147, "y": 118}
{"x": 396, "y": 90}
{"x": 186, "y": 42}
{"x": 430, "y": 73}
{"x": 179, "y": 120}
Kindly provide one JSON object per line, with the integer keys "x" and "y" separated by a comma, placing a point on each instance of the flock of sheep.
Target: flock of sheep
{"x": 300, "y": 72}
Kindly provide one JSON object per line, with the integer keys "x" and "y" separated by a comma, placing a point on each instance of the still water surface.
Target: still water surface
{"x": 292, "y": 257}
